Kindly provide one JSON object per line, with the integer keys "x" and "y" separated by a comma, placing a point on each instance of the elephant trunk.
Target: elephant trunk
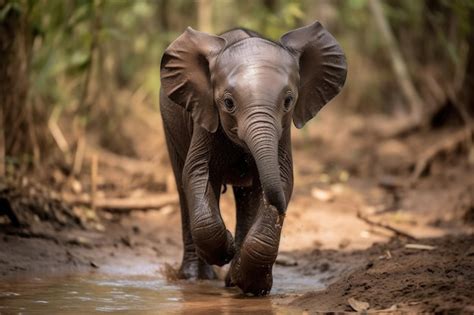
{"x": 262, "y": 140}
{"x": 252, "y": 271}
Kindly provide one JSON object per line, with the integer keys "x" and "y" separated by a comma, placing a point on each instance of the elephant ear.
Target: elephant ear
{"x": 186, "y": 75}
{"x": 322, "y": 66}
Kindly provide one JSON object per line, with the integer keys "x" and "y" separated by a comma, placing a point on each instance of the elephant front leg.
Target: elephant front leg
{"x": 251, "y": 269}
{"x": 213, "y": 242}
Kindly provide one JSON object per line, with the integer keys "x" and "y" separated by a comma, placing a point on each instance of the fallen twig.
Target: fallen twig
{"x": 420, "y": 246}
{"x": 124, "y": 204}
{"x": 56, "y": 132}
{"x": 31, "y": 234}
{"x": 79, "y": 156}
{"x": 125, "y": 163}
{"x": 450, "y": 143}
{"x": 385, "y": 226}
{"x": 399, "y": 127}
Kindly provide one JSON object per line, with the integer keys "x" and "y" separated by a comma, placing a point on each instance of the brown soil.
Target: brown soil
{"x": 394, "y": 277}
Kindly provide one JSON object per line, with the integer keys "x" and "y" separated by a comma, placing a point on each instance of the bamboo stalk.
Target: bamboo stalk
{"x": 94, "y": 171}
{"x": 398, "y": 63}
{"x": 2, "y": 144}
{"x": 205, "y": 15}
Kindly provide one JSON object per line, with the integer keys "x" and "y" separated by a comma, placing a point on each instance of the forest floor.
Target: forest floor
{"x": 362, "y": 232}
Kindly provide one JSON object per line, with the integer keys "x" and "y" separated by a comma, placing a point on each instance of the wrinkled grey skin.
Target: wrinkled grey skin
{"x": 227, "y": 103}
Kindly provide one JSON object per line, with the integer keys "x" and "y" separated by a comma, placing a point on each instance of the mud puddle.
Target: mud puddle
{"x": 110, "y": 293}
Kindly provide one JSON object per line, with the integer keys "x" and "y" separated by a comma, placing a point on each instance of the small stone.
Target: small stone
{"x": 357, "y": 305}
{"x": 324, "y": 267}
{"x": 285, "y": 260}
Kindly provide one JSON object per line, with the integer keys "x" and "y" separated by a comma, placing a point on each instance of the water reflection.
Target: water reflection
{"x": 139, "y": 294}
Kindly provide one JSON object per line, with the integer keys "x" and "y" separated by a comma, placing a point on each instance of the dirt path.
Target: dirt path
{"x": 324, "y": 244}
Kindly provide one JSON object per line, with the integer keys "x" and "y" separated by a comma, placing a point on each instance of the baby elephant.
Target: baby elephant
{"x": 227, "y": 103}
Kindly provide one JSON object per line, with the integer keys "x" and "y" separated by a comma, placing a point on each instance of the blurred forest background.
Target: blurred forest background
{"x": 74, "y": 68}
{"x": 392, "y": 156}
{"x": 80, "y": 81}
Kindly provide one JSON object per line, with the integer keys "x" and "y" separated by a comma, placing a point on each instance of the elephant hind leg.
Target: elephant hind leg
{"x": 194, "y": 268}
{"x": 247, "y": 200}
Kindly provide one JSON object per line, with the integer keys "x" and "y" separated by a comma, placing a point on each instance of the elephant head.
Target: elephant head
{"x": 254, "y": 87}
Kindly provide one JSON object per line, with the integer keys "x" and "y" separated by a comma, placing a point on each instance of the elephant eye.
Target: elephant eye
{"x": 288, "y": 101}
{"x": 229, "y": 104}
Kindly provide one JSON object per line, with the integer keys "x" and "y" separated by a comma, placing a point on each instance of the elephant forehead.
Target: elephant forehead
{"x": 253, "y": 63}
{"x": 254, "y": 53}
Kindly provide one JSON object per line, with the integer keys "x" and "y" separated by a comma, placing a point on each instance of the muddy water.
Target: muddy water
{"x": 87, "y": 294}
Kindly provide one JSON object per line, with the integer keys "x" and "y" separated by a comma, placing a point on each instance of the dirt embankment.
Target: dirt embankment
{"x": 396, "y": 277}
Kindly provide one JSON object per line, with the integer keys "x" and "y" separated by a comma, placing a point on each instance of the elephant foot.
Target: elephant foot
{"x": 228, "y": 281}
{"x": 196, "y": 269}
{"x": 251, "y": 271}
{"x": 219, "y": 255}
{"x": 254, "y": 279}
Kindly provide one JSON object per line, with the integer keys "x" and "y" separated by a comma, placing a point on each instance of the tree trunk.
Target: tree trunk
{"x": 398, "y": 63}
{"x": 467, "y": 89}
{"x": 2, "y": 144}
{"x": 15, "y": 45}
{"x": 205, "y": 16}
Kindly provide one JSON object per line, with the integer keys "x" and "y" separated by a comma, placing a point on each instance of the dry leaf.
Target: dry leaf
{"x": 364, "y": 234}
{"x": 322, "y": 195}
{"x": 76, "y": 186}
{"x": 358, "y": 306}
{"x": 344, "y": 176}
